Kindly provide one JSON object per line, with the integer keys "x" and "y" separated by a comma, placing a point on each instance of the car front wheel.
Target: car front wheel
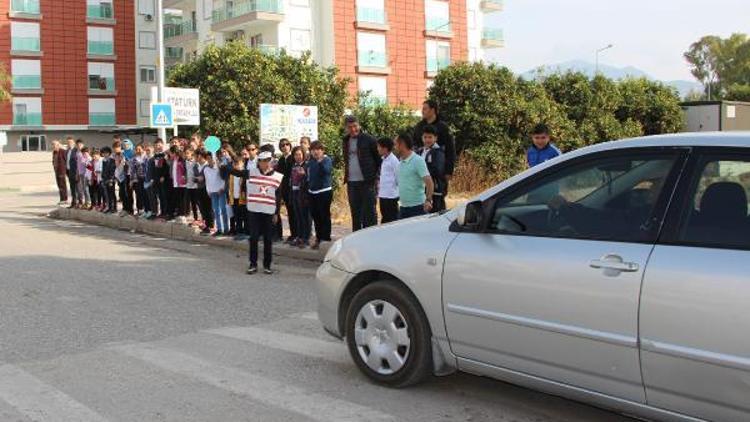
{"x": 388, "y": 335}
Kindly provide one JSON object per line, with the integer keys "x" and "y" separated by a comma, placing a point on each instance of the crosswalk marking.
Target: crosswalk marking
{"x": 313, "y": 405}
{"x": 41, "y": 402}
{"x": 307, "y": 346}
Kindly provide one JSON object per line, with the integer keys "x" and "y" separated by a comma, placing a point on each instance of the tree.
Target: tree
{"x": 235, "y": 79}
{"x": 720, "y": 63}
{"x": 381, "y": 119}
{"x": 5, "y": 82}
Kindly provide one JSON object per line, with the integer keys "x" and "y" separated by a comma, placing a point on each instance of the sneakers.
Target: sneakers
{"x": 267, "y": 271}
{"x": 252, "y": 270}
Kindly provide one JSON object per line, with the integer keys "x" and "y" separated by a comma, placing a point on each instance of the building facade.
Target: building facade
{"x": 72, "y": 66}
{"x": 391, "y": 49}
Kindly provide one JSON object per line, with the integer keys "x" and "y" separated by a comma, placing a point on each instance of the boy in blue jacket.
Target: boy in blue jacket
{"x": 541, "y": 150}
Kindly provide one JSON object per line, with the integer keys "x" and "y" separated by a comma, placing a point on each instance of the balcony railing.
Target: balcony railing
{"x": 27, "y": 82}
{"x": 180, "y": 28}
{"x": 100, "y": 11}
{"x": 371, "y": 15}
{"x": 173, "y": 52}
{"x": 438, "y": 25}
{"x": 435, "y": 64}
{"x": 492, "y": 5}
{"x": 271, "y": 50}
{"x": 25, "y": 6}
{"x": 101, "y": 119}
{"x": 492, "y": 34}
{"x": 25, "y": 44}
{"x": 101, "y": 48}
{"x": 246, "y": 7}
{"x": 373, "y": 59}
{"x": 28, "y": 119}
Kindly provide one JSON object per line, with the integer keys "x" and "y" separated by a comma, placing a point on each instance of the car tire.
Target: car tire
{"x": 377, "y": 319}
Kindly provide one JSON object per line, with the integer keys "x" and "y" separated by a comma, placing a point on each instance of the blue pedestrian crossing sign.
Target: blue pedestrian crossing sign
{"x": 162, "y": 115}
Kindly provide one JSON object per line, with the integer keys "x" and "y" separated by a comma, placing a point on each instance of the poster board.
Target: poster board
{"x": 279, "y": 121}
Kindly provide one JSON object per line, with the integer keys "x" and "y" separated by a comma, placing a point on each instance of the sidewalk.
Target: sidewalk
{"x": 177, "y": 231}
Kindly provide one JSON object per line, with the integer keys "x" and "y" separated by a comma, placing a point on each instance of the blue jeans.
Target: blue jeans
{"x": 407, "y": 212}
{"x": 219, "y": 206}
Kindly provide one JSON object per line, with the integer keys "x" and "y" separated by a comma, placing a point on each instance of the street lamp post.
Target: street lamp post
{"x": 160, "y": 59}
{"x": 596, "y": 71}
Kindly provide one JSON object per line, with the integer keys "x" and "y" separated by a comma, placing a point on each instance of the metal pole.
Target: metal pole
{"x": 160, "y": 60}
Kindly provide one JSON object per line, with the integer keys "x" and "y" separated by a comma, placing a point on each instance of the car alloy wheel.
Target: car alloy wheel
{"x": 381, "y": 334}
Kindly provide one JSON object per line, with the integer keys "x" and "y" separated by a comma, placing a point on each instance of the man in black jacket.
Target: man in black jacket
{"x": 430, "y": 116}
{"x": 361, "y": 166}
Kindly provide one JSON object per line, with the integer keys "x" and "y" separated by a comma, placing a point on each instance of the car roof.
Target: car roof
{"x": 690, "y": 139}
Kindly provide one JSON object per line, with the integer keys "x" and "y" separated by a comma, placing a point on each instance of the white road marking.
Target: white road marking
{"x": 41, "y": 402}
{"x": 307, "y": 403}
{"x": 307, "y": 346}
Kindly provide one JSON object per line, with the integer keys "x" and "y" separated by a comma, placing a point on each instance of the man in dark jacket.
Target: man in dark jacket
{"x": 71, "y": 167}
{"x": 434, "y": 157}
{"x": 361, "y": 165}
{"x": 430, "y": 116}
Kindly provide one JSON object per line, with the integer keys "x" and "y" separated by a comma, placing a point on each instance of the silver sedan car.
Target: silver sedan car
{"x": 618, "y": 275}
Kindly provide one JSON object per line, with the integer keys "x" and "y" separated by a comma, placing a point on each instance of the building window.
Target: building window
{"x": 101, "y": 111}
{"x": 27, "y": 74}
{"x": 437, "y": 16}
{"x": 32, "y": 143}
{"x": 146, "y": 7}
{"x": 148, "y": 74}
{"x": 145, "y": 107}
{"x": 25, "y": 6}
{"x": 99, "y": 9}
{"x": 438, "y": 55}
{"x": 371, "y": 50}
{"x": 101, "y": 41}
{"x": 147, "y": 40}
{"x": 373, "y": 89}
{"x": 208, "y": 9}
{"x": 300, "y": 41}
{"x": 102, "y": 76}
{"x": 27, "y": 111}
{"x": 25, "y": 36}
{"x": 371, "y": 11}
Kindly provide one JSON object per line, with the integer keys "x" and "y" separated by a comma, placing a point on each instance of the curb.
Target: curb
{"x": 176, "y": 231}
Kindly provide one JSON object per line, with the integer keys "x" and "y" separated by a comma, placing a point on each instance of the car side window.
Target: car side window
{"x": 717, "y": 214}
{"x": 614, "y": 198}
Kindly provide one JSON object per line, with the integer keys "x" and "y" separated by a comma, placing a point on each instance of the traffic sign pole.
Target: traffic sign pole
{"x": 160, "y": 64}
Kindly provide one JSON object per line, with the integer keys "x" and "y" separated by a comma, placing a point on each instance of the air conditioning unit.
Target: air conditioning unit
{"x": 149, "y": 18}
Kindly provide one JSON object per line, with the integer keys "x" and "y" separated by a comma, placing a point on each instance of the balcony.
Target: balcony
{"x": 25, "y": 45}
{"x": 101, "y": 119}
{"x": 373, "y": 62}
{"x": 27, "y": 82}
{"x": 100, "y": 13}
{"x": 271, "y": 50}
{"x": 438, "y": 28}
{"x": 101, "y": 48}
{"x": 492, "y": 38}
{"x": 371, "y": 18}
{"x": 435, "y": 65}
{"x": 243, "y": 12}
{"x": 180, "y": 32}
{"x": 27, "y": 119}
{"x": 22, "y": 8}
{"x": 489, "y": 6}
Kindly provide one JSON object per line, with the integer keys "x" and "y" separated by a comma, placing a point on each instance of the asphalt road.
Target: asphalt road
{"x": 97, "y": 324}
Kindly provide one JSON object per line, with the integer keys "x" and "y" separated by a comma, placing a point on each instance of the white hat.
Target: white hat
{"x": 265, "y": 155}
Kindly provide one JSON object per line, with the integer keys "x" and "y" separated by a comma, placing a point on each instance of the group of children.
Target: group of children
{"x": 226, "y": 193}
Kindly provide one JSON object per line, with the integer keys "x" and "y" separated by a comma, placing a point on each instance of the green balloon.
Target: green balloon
{"x": 212, "y": 144}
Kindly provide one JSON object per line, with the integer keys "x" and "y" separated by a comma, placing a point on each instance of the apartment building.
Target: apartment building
{"x": 390, "y": 48}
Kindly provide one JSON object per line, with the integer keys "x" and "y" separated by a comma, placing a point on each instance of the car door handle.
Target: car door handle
{"x": 614, "y": 262}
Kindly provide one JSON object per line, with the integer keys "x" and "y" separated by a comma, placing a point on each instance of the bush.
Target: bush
{"x": 235, "y": 79}
{"x": 383, "y": 120}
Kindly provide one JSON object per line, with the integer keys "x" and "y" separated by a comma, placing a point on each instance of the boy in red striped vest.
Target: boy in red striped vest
{"x": 263, "y": 202}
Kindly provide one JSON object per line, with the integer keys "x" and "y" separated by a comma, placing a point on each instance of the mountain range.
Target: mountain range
{"x": 683, "y": 86}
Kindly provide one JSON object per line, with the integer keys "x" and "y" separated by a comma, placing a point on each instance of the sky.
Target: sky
{"x": 650, "y": 35}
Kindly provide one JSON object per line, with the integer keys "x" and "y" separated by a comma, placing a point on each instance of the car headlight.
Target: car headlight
{"x": 334, "y": 250}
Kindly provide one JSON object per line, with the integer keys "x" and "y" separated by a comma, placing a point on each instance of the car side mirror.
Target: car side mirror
{"x": 470, "y": 216}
